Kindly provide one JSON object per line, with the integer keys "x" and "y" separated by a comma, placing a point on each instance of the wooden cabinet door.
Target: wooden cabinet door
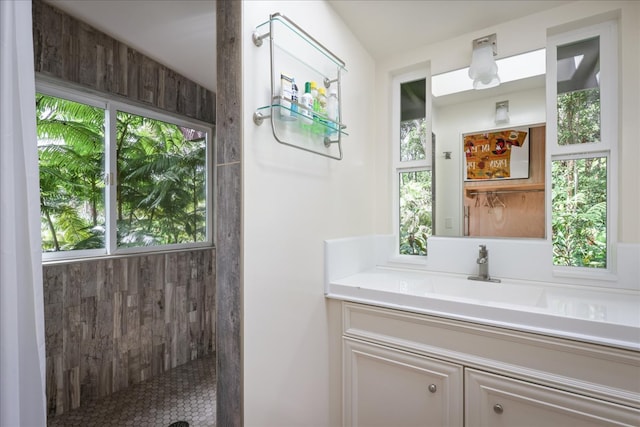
{"x": 495, "y": 401}
{"x": 386, "y": 387}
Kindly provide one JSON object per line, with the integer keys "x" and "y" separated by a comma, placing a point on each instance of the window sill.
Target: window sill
{"x": 70, "y": 260}
{"x": 591, "y": 274}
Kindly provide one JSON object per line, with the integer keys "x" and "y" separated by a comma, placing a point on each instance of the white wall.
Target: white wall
{"x": 294, "y": 200}
{"x": 526, "y": 34}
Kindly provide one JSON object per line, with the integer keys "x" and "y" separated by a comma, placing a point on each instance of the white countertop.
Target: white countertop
{"x": 601, "y": 316}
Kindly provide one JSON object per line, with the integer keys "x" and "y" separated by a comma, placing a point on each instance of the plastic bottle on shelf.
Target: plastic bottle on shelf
{"x": 285, "y": 97}
{"x": 313, "y": 86}
{"x": 332, "y": 112}
{"x": 322, "y": 110}
{"x": 294, "y": 98}
{"x": 315, "y": 127}
{"x": 306, "y": 102}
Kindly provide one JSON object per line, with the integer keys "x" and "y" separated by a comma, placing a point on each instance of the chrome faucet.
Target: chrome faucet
{"x": 483, "y": 266}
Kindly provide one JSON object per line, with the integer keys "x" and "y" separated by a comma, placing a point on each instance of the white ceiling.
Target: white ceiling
{"x": 181, "y": 33}
{"x": 384, "y": 25}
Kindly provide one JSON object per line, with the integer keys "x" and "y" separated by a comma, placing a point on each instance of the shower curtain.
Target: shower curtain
{"x": 22, "y": 346}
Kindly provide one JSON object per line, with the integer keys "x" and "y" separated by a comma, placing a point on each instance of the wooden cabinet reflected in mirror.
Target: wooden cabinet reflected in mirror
{"x": 509, "y": 208}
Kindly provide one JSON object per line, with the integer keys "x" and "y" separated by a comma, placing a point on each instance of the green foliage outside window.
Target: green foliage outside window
{"x": 580, "y": 212}
{"x": 161, "y": 187}
{"x": 579, "y": 186}
{"x": 161, "y": 174}
{"x": 413, "y": 139}
{"x": 415, "y": 212}
{"x": 415, "y": 191}
{"x": 579, "y": 117}
{"x": 71, "y": 152}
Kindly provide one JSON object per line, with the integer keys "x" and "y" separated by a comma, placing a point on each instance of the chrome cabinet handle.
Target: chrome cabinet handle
{"x": 498, "y": 409}
{"x": 433, "y": 388}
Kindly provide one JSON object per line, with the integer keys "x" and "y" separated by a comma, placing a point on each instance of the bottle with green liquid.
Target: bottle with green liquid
{"x": 315, "y": 127}
{"x": 306, "y": 104}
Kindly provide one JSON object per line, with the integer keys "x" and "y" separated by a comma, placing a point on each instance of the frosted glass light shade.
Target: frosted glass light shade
{"x": 483, "y": 69}
{"x": 502, "y": 112}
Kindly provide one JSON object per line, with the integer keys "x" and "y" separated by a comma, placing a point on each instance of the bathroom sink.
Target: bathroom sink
{"x": 580, "y": 311}
{"x": 489, "y": 292}
{"x": 450, "y": 287}
{"x": 610, "y": 317}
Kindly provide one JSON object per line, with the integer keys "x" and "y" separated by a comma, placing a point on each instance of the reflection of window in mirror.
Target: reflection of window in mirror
{"x": 412, "y": 164}
{"x": 583, "y": 148}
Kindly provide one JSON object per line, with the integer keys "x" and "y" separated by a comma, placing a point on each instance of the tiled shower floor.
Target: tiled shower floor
{"x": 186, "y": 393}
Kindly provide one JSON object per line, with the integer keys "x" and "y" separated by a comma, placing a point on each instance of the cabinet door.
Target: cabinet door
{"x": 495, "y": 401}
{"x": 388, "y": 387}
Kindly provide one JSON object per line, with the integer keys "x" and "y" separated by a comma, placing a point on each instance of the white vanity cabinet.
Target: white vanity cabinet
{"x": 407, "y": 369}
{"x": 388, "y": 387}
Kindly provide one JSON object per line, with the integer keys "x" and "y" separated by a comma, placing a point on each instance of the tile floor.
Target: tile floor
{"x": 186, "y": 393}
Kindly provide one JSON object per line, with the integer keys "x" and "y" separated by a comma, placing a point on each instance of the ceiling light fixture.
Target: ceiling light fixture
{"x": 518, "y": 67}
{"x": 502, "y": 112}
{"x": 483, "y": 69}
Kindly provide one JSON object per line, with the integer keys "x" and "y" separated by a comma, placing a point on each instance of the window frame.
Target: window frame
{"x": 422, "y": 71}
{"x": 111, "y": 107}
{"x": 606, "y": 147}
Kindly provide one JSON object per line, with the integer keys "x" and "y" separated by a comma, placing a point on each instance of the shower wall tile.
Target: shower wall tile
{"x": 111, "y": 323}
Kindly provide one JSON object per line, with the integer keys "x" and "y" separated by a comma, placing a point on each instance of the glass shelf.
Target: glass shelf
{"x": 319, "y": 136}
{"x": 296, "y": 54}
{"x": 298, "y": 40}
{"x": 293, "y": 114}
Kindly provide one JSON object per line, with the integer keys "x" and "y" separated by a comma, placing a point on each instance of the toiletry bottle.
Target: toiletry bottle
{"x": 294, "y": 98}
{"x": 306, "y": 104}
{"x": 285, "y": 97}
{"x": 315, "y": 127}
{"x": 322, "y": 110}
{"x": 332, "y": 112}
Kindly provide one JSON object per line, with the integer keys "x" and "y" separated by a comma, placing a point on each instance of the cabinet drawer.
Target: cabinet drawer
{"x": 387, "y": 387}
{"x": 493, "y": 401}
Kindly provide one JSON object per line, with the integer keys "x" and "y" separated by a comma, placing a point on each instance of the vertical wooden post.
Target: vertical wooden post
{"x": 229, "y": 406}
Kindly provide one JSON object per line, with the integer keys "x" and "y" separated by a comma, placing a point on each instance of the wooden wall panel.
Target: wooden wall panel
{"x": 521, "y": 216}
{"x": 72, "y": 51}
{"x": 111, "y": 323}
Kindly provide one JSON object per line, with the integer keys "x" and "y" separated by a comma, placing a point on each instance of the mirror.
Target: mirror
{"x": 490, "y": 204}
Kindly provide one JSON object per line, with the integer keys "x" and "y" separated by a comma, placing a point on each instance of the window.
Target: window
{"x": 71, "y": 157}
{"x": 579, "y": 201}
{"x": 583, "y": 151}
{"x": 412, "y": 165}
{"x": 161, "y": 190}
{"x": 115, "y": 178}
